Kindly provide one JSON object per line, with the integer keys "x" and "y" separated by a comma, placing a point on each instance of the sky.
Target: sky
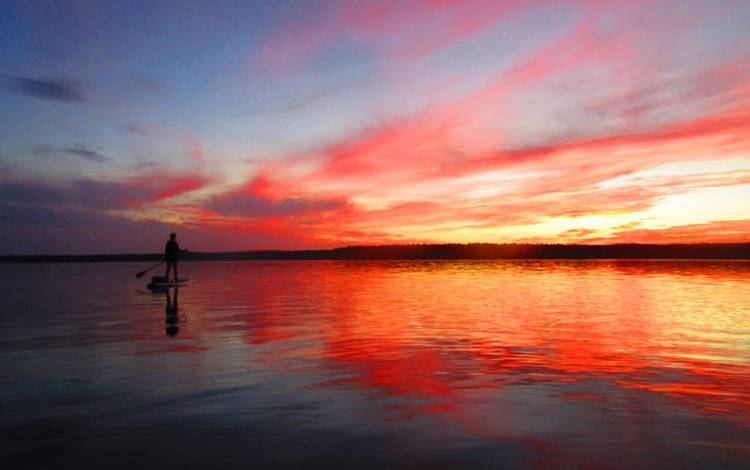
{"x": 315, "y": 124}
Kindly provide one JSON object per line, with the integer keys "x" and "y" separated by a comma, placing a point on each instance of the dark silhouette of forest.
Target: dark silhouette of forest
{"x": 438, "y": 251}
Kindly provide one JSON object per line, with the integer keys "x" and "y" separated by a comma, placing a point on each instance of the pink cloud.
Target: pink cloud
{"x": 423, "y": 149}
{"x": 159, "y": 187}
{"x": 420, "y": 27}
{"x": 715, "y": 232}
{"x": 426, "y": 141}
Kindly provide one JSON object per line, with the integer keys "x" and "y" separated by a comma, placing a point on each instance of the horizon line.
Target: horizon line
{"x": 700, "y": 250}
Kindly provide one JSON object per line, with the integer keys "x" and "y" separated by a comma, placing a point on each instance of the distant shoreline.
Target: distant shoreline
{"x": 735, "y": 251}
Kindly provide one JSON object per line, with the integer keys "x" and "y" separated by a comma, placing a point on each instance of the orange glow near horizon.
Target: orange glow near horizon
{"x": 434, "y": 337}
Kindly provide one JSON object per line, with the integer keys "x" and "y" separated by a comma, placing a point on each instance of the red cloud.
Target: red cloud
{"x": 482, "y": 160}
{"x": 567, "y": 185}
{"x": 159, "y": 187}
{"x": 710, "y": 232}
{"x": 428, "y": 142}
{"x": 179, "y": 185}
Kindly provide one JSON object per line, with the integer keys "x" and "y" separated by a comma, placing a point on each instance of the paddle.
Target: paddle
{"x": 140, "y": 274}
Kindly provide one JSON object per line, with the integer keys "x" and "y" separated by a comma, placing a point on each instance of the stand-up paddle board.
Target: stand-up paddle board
{"x": 162, "y": 282}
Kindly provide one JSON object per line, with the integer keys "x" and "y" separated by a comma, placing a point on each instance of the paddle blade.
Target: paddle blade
{"x": 140, "y": 274}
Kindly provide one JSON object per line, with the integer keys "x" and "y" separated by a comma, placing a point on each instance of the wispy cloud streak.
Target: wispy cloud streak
{"x": 50, "y": 89}
{"x": 79, "y": 151}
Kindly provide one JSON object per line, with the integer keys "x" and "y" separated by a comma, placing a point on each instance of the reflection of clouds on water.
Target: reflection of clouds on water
{"x": 560, "y": 363}
{"x": 437, "y": 336}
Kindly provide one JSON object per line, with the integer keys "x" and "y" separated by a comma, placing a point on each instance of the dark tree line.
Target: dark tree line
{"x": 439, "y": 251}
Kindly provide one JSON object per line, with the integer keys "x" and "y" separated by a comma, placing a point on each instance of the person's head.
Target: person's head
{"x": 172, "y": 236}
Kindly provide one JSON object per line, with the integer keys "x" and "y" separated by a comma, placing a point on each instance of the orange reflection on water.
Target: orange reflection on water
{"x": 438, "y": 336}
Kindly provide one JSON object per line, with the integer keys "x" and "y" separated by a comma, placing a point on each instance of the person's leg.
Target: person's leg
{"x": 169, "y": 268}
{"x": 176, "y": 278}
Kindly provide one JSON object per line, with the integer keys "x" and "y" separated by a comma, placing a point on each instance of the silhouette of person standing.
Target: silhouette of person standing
{"x": 171, "y": 253}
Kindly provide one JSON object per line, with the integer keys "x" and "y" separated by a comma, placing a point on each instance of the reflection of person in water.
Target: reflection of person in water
{"x": 171, "y": 314}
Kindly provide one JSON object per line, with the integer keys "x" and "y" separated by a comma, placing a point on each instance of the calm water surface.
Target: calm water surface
{"x": 356, "y": 364}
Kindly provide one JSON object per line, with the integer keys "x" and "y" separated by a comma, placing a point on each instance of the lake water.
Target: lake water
{"x": 335, "y": 364}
